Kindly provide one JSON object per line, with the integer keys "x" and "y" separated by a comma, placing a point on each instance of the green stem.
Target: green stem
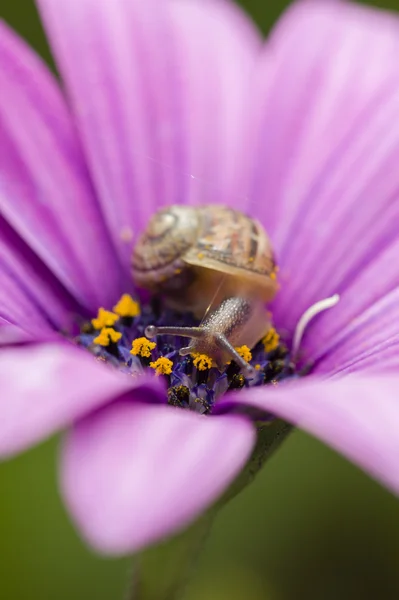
{"x": 162, "y": 572}
{"x": 270, "y": 437}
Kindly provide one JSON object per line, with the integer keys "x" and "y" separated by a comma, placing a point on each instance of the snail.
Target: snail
{"x": 210, "y": 260}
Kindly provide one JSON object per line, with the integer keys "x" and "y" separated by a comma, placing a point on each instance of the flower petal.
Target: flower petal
{"x": 133, "y": 474}
{"x": 16, "y": 308}
{"x": 158, "y": 91}
{"x": 46, "y": 387}
{"x": 11, "y": 335}
{"x": 364, "y": 333}
{"x": 43, "y": 304}
{"x": 357, "y": 416}
{"x": 325, "y": 182}
{"x": 45, "y": 191}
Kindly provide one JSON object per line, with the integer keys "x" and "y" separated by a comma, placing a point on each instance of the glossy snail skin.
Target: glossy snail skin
{"x": 212, "y": 261}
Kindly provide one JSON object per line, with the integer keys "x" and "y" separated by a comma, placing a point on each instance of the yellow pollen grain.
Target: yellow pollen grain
{"x": 105, "y": 318}
{"x": 127, "y": 307}
{"x": 106, "y": 336}
{"x": 271, "y": 340}
{"x": 202, "y": 362}
{"x": 273, "y": 275}
{"x": 162, "y": 366}
{"x": 245, "y": 353}
{"x": 142, "y": 347}
{"x": 200, "y": 255}
{"x": 258, "y": 367}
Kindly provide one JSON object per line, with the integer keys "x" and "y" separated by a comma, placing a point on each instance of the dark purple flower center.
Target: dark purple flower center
{"x": 193, "y": 381}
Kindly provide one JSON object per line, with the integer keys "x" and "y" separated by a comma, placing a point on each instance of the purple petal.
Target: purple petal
{"x": 133, "y": 474}
{"x": 356, "y": 416}
{"x": 46, "y": 387}
{"x": 45, "y": 193}
{"x": 44, "y": 304}
{"x": 364, "y": 334}
{"x": 326, "y": 181}
{"x": 16, "y": 308}
{"x": 11, "y": 335}
{"x": 159, "y": 91}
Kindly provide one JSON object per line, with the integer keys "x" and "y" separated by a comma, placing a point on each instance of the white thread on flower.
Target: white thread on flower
{"x": 307, "y": 317}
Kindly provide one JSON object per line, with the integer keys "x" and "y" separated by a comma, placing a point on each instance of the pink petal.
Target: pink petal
{"x": 159, "y": 91}
{"x": 133, "y": 474}
{"x": 46, "y": 387}
{"x": 17, "y": 309}
{"x": 326, "y": 182}
{"x": 43, "y": 303}
{"x": 359, "y": 417}
{"x": 364, "y": 335}
{"x": 45, "y": 192}
{"x": 11, "y": 335}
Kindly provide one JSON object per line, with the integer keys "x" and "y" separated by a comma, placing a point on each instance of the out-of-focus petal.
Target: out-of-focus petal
{"x": 159, "y": 92}
{"x": 46, "y": 304}
{"x": 16, "y": 308}
{"x": 45, "y": 191}
{"x": 46, "y": 387}
{"x": 357, "y": 416}
{"x": 11, "y": 335}
{"x": 133, "y": 474}
{"x": 326, "y": 183}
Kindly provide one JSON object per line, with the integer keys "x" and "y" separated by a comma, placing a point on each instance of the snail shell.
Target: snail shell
{"x": 186, "y": 252}
{"x": 159, "y": 253}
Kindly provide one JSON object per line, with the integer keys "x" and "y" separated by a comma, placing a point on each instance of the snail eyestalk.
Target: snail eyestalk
{"x": 201, "y": 333}
{"x": 225, "y": 327}
{"x": 191, "y": 332}
{"x": 223, "y": 343}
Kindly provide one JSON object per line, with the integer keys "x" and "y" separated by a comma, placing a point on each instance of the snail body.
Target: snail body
{"x": 213, "y": 260}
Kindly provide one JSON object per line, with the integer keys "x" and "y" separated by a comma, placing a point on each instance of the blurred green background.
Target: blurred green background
{"x": 312, "y": 526}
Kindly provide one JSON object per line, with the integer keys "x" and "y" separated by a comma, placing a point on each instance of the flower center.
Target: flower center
{"x": 194, "y": 382}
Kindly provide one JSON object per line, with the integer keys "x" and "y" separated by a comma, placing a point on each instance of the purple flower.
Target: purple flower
{"x": 180, "y": 102}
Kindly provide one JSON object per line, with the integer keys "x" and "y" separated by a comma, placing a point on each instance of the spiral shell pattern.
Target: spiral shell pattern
{"x": 159, "y": 252}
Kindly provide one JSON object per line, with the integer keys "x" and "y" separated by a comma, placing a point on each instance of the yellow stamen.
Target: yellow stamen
{"x": 271, "y": 340}
{"x": 142, "y": 347}
{"x": 127, "y": 307}
{"x": 162, "y": 366}
{"x": 105, "y": 318}
{"x": 245, "y": 353}
{"x": 203, "y": 362}
{"x": 106, "y": 336}
{"x": 258, "y": 367}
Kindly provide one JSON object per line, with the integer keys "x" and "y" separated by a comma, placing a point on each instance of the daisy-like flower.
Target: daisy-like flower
{"x": 180, "y": 102}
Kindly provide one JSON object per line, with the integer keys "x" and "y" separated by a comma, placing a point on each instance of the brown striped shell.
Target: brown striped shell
{"x": 160, "y": 250}
{"x": 204, "y": 242}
